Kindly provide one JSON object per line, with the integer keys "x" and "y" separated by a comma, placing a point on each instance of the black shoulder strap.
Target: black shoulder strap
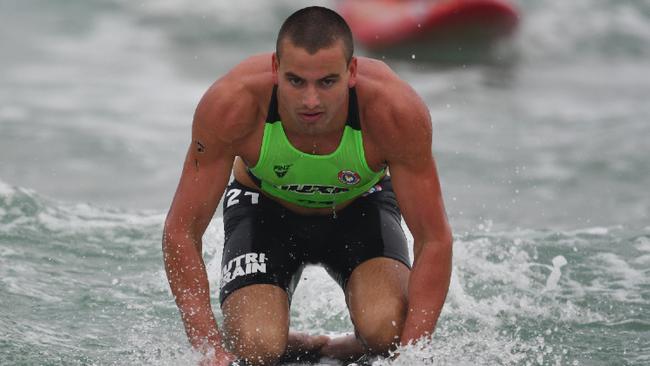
{"x": 354, "y": 120}
{"x": 273, "y": 115}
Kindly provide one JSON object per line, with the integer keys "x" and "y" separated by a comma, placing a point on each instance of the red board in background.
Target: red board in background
{"x": 383, "y": 24}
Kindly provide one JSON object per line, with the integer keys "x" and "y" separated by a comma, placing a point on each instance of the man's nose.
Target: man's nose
{"x": 311, "y": 99}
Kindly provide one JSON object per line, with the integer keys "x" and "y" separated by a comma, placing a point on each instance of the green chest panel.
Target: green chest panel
{"x": 313, "y": 180}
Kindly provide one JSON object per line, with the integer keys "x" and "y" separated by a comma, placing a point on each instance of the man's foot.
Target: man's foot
{"x": 304, "y": 347}
{"x": 344, "y": 348}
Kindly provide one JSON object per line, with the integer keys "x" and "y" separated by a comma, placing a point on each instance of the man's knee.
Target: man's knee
{"x": 380, "y": 325}
{"x": 377, "y": 299}
{"x": 257, "y": 345}
{"x": 256, "y": 324}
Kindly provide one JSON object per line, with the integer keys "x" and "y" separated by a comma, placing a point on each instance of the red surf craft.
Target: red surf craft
{"x": 382, "y": 24}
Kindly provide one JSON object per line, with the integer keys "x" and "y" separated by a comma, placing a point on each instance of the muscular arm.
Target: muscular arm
{"x": 415, "y": 180}
{"x": 206, "y": 172}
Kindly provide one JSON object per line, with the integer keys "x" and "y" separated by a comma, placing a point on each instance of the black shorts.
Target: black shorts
{"x": 266, "y": 243}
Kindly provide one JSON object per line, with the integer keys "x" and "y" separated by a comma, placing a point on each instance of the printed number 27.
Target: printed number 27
{"x": 234, "y": 193}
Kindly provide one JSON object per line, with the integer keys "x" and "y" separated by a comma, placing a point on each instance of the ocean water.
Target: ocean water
{"x": 542, "y": 151}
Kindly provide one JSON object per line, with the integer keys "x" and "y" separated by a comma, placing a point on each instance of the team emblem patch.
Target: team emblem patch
{"x": 281, "y": 170}
{"x": 349, "y": 177}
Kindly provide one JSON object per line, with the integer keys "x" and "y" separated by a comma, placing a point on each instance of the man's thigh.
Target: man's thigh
{"x": 376, "y": 295}
{"x": 369, "y": 258}
{"x": 257, "y": 248}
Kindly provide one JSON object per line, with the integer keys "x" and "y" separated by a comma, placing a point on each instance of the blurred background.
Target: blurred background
{"x": 541, "y": 144}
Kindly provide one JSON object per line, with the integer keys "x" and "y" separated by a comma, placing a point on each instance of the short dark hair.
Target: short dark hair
{"x": 314, "y": 28}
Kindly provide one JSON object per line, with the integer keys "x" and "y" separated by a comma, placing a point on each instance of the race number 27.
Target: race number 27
{"x": 232, "y": 195}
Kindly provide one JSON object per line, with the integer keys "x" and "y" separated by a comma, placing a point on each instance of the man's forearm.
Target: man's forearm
{"x": 428, "y": 286}
{"x": 188, "y": 280}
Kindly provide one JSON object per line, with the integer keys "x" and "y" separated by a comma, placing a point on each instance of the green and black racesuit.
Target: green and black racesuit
{"x": 265, "y": 243}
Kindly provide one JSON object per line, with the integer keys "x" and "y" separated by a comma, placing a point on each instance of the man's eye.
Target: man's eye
{"x": 295, "y": 81}
{"x": 328, "y": 82}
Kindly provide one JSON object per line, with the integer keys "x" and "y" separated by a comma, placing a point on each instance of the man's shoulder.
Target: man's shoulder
{"x": 392, "y": 113}
{"x": 234, "y": 104}
{"x": 383, "y": 95}
{"x": 373, "y": 73}
{"x": 248, "y": 82}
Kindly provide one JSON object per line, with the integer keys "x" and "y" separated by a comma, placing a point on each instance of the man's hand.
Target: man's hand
{"x": 343, "y": 348}
{"x": 223, "y": 358}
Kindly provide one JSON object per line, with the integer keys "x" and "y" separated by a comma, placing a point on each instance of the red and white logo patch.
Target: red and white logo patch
{"x": 349, "y": 177}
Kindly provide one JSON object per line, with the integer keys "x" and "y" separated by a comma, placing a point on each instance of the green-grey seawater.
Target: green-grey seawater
{"x": 542, "y": 151}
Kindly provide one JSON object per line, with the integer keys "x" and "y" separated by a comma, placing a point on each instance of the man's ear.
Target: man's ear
{"x": 275, "y": 66}
{"x": 352, "y": 69}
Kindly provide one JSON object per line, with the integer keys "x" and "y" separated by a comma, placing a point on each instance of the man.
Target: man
{"x": 309, "y": 133}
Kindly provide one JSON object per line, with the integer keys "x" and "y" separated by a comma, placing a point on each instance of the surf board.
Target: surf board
{"x": 380, "y": 25}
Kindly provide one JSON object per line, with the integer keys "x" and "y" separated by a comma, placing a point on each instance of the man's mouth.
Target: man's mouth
{"x": 310, "y": 116}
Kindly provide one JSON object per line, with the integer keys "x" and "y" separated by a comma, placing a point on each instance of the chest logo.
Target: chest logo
{"x": 281, "y": 170}
{"x": 349, "y": 177}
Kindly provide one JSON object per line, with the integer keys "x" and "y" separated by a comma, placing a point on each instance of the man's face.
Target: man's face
{"x": 313, "y": 89}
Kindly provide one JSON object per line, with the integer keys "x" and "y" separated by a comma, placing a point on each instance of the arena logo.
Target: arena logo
{"x": 243, "y": 265}
{"x": 313, "y": 188}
